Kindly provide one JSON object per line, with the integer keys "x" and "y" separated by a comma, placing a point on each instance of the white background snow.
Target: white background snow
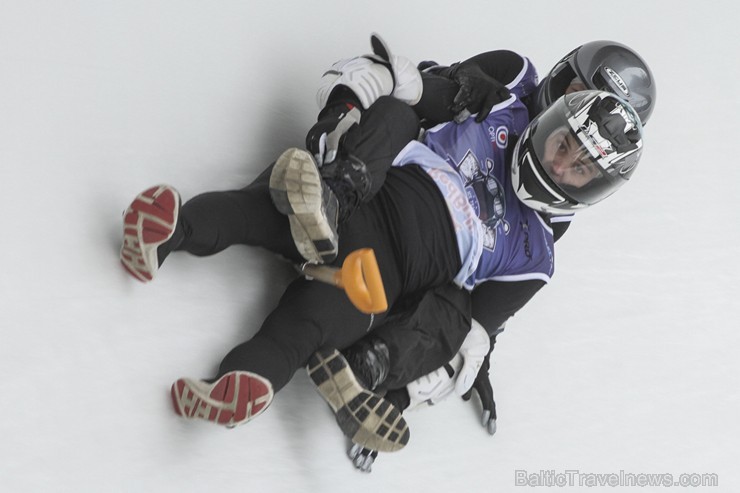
{"x": 628, "y": 361}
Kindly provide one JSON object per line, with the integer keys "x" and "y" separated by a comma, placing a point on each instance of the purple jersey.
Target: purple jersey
{"x": 517, "y": 244}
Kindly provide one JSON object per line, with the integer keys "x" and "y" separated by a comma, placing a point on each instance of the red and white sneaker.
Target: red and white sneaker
{"x": 148, "y": 222}
{"x": 232, "y": 400}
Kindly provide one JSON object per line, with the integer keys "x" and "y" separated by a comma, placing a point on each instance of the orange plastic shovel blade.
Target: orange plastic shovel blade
{"x": 360, "y": 277}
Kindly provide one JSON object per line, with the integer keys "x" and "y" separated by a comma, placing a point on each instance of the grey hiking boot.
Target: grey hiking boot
{"x": 364, "y": 417}
{"x": 298, "y": 191}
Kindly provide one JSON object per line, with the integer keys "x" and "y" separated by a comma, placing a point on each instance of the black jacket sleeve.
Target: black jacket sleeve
{"x": 494, "y": 302}
{"x": 502, "y": 65}
{"x": 559, "y": 229}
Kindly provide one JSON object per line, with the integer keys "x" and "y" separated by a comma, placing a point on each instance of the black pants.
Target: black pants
{"x": 406, "y": 223}
{"x": 424, "y": 333}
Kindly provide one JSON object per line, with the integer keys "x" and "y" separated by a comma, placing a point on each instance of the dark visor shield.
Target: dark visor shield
{"x": 560, "y": 78}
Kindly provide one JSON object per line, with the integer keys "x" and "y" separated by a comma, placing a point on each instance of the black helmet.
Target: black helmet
{"x": 580, "y": 150}
{"x": 605, "y": 66}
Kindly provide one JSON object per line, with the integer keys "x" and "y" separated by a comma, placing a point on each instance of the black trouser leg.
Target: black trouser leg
{"x": 214, "y": 221}
{"x": 426, "y": 334}
{"x": 309, "y": 315}
{"x": 386, "y": 127}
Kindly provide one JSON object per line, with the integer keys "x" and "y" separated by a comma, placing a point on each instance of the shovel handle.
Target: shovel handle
{"x": 323, "y": 273}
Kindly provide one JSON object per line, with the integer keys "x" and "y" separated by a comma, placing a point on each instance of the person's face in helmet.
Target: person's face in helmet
{"x": 575, "y": 85}
{"x": 566, "y": 161}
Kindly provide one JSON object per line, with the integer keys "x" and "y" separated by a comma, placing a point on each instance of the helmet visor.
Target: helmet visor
{"x": 574, "y": 154}
{"x": 561, "y": 77}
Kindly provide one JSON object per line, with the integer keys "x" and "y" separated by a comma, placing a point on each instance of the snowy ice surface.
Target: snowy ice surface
{"x": 626, "y": 362}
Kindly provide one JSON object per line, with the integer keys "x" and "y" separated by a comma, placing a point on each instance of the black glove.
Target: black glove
{"x": 428, "y": 64}
{"x": 362, "y": 458}
{"x": 478, "y": 92}
{"x": 325, "y": 138}
{"x": 482, "y": 385}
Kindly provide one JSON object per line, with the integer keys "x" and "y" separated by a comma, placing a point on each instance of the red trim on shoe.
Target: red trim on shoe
{"x": 235, "y": 398}
{"x": 148, "y": 222}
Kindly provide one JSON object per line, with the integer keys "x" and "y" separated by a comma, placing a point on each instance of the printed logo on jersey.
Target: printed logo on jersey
{"x": 617, "y": 80}
{"x": 499, "y": 135}
{"x": 486, "y": 196}
{"x": 502, "y": 136}
{"x": 527, "y": 248}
